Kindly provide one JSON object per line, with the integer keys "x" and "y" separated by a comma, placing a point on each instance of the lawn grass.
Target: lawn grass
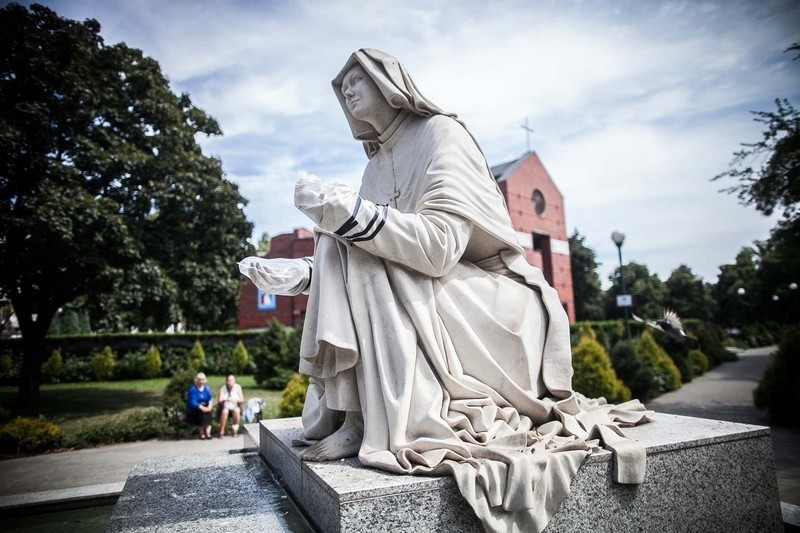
{"x": 76, "y": 405}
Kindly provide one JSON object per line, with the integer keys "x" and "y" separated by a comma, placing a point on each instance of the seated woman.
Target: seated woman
{"x": 199, "y": 404}
{"x": 230, "y": 398}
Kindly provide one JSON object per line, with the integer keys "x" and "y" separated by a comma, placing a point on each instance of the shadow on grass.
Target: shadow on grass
{"x": 72, "y": 403}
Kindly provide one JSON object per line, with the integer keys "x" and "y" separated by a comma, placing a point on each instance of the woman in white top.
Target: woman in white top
{"x": 230, "y": 398}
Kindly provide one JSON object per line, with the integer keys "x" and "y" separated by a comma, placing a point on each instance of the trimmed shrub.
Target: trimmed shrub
{"x": 293, "y": 396}
{"x": 631, "y": 368}
{"x": 594, "y": 376}
{"x": 761, "y": 334}
{"x": 666, "y": 374}
{"x": 699, "y": 362}
{"x": 135, "y": 425}
{"x": 129, "y": 366}
{"x": 678, "y": 351}
{"x": 174, "y": 359}
{"x": 53, "y": 367}
{"x": 174, "y": 400}
{"x": 76, "y": 370}
{"x": 30, "y": 435}
{"x": 239, "y": 358}
{"x": 279, "y": 357}
{"x": 176, "y": 390}
{"x": 711, "y": 345}
{"x": 150, "y": 364}
{"x": 778, "y": 391}
{"x": 197, "y": 357}
{"x": 103, "y": 365}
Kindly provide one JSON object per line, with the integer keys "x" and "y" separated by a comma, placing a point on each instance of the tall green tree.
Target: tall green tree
{"x": 737, "y": 287}
{"x": 648, "y": 291}
{"x": 767, "y": 173}
{"x": 775, "y": 183}
{"x": 103, "y": 185}
{"x": 687, "y": 295}
{"x": 779, "y": 276}
{"x": 585, "y": 280}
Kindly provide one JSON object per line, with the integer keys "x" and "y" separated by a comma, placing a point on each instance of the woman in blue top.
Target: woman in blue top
{"x": 199, "y": 404}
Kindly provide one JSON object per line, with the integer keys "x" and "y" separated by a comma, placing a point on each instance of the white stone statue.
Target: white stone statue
{"x": 432, "y": 346}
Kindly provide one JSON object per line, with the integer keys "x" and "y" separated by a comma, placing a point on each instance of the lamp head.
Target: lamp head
{"x": 618, "y": 237}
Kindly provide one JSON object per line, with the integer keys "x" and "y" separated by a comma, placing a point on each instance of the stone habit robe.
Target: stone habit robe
{"x": 433, "y": 325}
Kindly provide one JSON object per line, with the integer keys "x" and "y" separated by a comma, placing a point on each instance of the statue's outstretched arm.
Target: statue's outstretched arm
{"x": 287, "y": 277}
{"x": 430, "y": 242}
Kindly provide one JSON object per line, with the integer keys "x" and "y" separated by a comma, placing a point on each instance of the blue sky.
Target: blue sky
{"x": 635, "y": 105}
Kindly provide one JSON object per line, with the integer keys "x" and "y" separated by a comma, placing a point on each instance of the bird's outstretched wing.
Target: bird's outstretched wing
{"x": 671, "y": 325}
{"x": 671, "y": 318}
{"x": 650, "y": 323}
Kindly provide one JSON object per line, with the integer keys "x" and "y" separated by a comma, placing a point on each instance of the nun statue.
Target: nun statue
{"x": 432, "y": 346}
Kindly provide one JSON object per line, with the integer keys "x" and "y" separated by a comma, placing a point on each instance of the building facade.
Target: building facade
{"x": 536, "y": 207}
{"x": 256, "y": 308}
{"x": 537, "y": 213}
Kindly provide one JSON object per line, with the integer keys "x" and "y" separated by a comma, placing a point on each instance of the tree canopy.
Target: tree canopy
{"x": 775, "y": 185}
{"x": 585, "y": 281}
{"x": 687, "y": 295}
{"x": 648, "y": 291}
{"x": 103, "y": 187}
{"x": 768, "y": 176}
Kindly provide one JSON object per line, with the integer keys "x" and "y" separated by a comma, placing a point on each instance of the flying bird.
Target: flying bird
{"x": 671, "y": 325}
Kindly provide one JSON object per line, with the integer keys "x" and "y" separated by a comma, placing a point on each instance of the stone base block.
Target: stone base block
{"x": 204, "y": 493}
{"x": 702, "y": 475}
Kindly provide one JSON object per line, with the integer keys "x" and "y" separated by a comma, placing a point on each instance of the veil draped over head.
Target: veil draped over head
{"x": 395, "y": 84}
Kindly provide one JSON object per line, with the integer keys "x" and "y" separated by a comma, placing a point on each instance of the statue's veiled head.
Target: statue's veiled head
{"x": 364, "y": 99}
{"x": 393, "y": 83}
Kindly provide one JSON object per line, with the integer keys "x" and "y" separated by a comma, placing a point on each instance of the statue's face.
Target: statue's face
{"x": 362, "y": 96}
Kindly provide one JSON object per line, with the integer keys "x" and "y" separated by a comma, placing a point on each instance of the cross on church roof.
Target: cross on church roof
{"x": 528, "y": 132}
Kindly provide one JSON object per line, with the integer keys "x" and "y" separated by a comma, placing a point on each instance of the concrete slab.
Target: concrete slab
{"x": 52, "y": 500}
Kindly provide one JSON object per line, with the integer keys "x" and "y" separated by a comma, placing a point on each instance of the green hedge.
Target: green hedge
{"x": 271, "y": 354}
{"x": 137, "y": 425}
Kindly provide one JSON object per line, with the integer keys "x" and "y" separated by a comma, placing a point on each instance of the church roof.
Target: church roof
{"x": 502, "y": 171}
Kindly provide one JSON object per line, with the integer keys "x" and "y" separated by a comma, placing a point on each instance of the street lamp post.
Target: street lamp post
{"x": 624, "y": 299}
{"x": 741, "y": 292}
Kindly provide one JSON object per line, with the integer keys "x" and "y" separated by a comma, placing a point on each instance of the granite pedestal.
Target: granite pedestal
{"x": 702, "y": 475}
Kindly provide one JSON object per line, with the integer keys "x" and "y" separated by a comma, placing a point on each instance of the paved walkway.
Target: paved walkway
{"x": 726, "y": 393}
{"x": 93, "y": 473}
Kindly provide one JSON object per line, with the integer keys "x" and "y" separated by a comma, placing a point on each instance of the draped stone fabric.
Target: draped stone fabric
{"x": 453, "y": 347}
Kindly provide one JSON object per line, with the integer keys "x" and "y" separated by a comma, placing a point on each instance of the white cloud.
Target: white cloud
{"x": 635, "y": 106}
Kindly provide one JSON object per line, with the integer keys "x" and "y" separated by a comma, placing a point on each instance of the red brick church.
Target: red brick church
{"x": 537, "y": 213}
